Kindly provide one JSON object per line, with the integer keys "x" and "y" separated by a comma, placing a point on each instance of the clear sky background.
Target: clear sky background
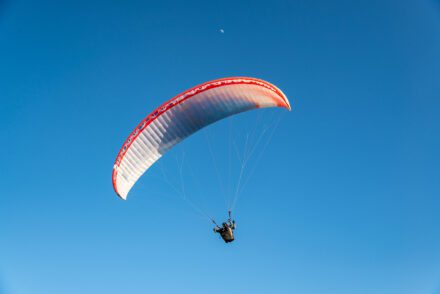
{"x": 345, "y": 199}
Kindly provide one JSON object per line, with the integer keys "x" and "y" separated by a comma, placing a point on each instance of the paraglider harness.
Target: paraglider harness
{"x": 226, "y": 230}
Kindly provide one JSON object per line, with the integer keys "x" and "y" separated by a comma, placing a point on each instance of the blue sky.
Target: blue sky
{"x": 345, "y": 199}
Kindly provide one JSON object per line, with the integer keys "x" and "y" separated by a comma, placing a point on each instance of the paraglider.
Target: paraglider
{"x": 226, "y": 231}
{"x": 181, "y": 117}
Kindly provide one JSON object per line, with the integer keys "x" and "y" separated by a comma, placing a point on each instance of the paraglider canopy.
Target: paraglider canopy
{"x": 184, "y": 115}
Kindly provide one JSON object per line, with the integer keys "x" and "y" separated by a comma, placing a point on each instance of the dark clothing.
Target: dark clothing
{"x": 226, "y": 231}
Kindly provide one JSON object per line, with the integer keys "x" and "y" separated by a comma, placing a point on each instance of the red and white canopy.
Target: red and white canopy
{"x": 184, "y": 115}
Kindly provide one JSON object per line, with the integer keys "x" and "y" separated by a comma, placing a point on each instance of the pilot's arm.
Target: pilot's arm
{"x": 233, "y": 226}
